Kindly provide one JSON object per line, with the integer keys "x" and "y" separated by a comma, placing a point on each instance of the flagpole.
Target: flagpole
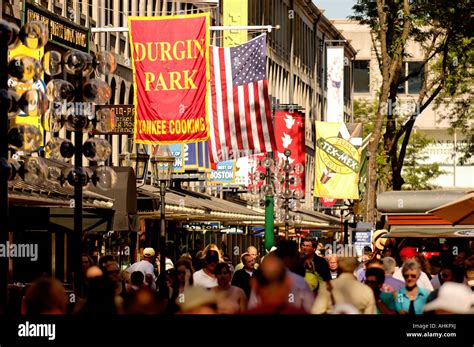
{"x": 268, "y": 28}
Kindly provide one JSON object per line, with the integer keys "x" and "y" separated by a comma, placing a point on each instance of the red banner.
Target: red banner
{"x": 170, "y": 59}
{"x": 289, "y": 134}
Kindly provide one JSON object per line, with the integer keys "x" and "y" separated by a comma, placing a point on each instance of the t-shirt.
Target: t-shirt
{"x": 200, "y": 278}
{"x": 145, "y": 267}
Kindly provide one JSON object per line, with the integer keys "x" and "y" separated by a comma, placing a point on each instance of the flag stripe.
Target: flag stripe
{"x": 237, "y": 118}
{"x": 266, "y": 115}
{"x": 230, "y": 100}
{"x": 225, "y": 110}
{"x": 243, "y": 122}
{"x": 251, "y": 116}
{"x": 218, "y": 109}
{"x": 214, "y": 134}
{"x": 258, "y": 121}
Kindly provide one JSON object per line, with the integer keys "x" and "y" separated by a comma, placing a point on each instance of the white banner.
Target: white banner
{"x": 242, "y": 172}
{"x": 335, "y": 84}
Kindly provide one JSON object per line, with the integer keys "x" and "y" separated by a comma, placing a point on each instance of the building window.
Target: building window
{"x": 361, "y": 76}
{"x": 414, "y": 83}
{"x": 347, "y": 83}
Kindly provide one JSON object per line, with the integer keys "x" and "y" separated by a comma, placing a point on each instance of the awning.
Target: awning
{"x": 184, "y": 205}
{"x": 416, "y": 201}
{"x": 321, "y": 216}
{"x": 52, "y": 195}
{"x": 460, "y": 211}
{"x": 435, "y": 231}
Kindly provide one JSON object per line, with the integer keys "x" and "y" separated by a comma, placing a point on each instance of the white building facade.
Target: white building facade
{"x": 367, "y": 80}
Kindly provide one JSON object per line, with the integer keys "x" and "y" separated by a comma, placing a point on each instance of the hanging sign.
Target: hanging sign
{"x": 170, "y": 61}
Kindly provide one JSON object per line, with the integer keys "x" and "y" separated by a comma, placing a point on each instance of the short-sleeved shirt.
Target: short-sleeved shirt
{"x": 145, "y": 267}
{"x": 402, "y": 302}
{"x": 200, "y": 278}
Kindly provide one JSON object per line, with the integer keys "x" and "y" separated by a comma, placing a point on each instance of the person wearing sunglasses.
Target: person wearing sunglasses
{"x": 411, "y": 299}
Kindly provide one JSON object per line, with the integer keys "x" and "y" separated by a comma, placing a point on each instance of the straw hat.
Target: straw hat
{"x": 378, "y": 240}
{"x": 196, "y": 296}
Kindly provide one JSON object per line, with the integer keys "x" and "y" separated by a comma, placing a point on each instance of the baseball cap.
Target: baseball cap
{"x": 168, "y": 264}
{"x": 454, "y": 298}
{"x": 149, "y": 252}
{"x": 408, "y": 252}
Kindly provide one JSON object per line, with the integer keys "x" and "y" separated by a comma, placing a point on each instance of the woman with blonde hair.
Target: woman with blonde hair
{"x": 212, "y": 247}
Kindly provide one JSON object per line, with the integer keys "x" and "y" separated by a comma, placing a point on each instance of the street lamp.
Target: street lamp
{"x": 162, "y": 162}
{"x": 274, "y": 185}
{"x": 137, "y": 158}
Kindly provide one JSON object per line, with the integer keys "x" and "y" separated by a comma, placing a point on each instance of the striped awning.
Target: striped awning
{"x": 52, "y": 195}
{"x": 190, "y": 205}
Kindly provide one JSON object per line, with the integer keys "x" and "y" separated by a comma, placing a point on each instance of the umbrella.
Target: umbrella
{"x": 458, "y": 212}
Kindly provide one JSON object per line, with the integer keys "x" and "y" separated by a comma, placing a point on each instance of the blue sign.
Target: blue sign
{"x": 190, "y": 156}
{"x": 360, "y": 239}
{"x": 200, "y": 150}
{"x": 224, "y": 173}
{"x": 177, "y": 150}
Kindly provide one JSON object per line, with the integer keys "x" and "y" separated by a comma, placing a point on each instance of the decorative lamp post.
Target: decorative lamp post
{"x": 162, "y": 162}
{"x": 275, "y": 187}
{"x": 62, "y": 104}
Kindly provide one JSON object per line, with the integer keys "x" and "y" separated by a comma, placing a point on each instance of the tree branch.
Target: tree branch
{"x": 408, "y": 126}
{"x": 383, "y": 39}
{"x": 426, "y": 59}
{"x": 404, "y": 37}
{"x": 377, "y": 54}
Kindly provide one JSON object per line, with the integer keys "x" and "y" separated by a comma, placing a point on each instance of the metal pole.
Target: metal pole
{"x": 162, "y": 285}
{"x": 77, "y": 238}
{"x": 3, "y": 174}
{"x": 269, "y": 28}
{"x": 269, "y": 216}
{"x": 287, "y": 199}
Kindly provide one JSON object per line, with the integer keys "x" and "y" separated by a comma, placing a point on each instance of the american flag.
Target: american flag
{"x": 240, "y": 118}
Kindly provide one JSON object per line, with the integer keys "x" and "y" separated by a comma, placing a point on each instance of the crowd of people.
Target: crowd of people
{"x": 291, "y": 279}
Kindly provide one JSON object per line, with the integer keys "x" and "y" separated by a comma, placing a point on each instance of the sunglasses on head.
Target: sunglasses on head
{"x": 409, "y": 276}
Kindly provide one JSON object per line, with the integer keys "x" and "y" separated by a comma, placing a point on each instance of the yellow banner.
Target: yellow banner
{"x": 235, "y": 13}
{"x": 21, "y": 87}
{"x": 338, "y": 160}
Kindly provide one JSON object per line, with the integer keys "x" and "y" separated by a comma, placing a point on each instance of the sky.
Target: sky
{"x": 335, "y": 8}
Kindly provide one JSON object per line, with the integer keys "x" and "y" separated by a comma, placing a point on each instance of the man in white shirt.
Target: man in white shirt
{"x": 146, "y": 267}
{"x": 205, "y": 277}
{"x": 408, "y": 253}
